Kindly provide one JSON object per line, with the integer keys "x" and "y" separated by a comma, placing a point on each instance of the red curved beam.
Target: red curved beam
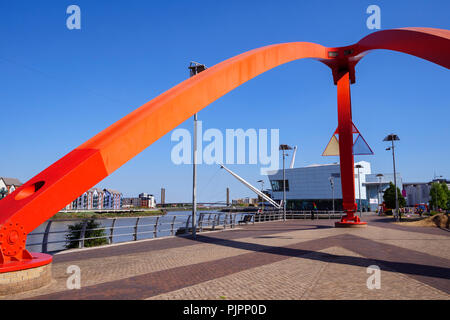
{"x": 426, "y": 43}
{"x": 49, "y": 191}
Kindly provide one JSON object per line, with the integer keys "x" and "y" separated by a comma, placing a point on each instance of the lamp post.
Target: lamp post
{"x": 436, "y": 178}
{"x": 332, "y": 189}
{"x": 195, "y": 68}
{"x": 380, "y": 177}
{"x": 262, "y": 190}
{"x": 284, "y": 147}
{"x": 358, "y": 166}
{"x": 393, "y": 137}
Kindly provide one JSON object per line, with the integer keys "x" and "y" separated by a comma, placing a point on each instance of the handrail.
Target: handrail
{"x": 172, "y": 225}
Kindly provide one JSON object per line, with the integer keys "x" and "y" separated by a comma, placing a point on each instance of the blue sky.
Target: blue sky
{"x": 59, "y": 87}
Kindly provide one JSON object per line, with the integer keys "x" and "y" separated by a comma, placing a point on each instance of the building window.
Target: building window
{"x": 95, "y": 201}
{"x": 277, "y": 185}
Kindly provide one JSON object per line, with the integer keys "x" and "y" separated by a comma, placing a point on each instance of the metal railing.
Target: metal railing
{"x": 303, "y": 214}
{"x": 316, "y": 214}
{"x": 136, "y": 228}
{"x": 148, "y": 227}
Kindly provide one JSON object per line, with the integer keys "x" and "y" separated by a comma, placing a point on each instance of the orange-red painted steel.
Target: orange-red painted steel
{"x": 49, "y": 191}
{"x": 345, "y": 130}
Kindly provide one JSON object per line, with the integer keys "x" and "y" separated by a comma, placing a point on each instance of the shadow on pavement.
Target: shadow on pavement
{"x": 346, "y": 241}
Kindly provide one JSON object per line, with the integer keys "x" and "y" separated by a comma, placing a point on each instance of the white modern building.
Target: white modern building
{"x": 321, "y": 183}
{"x": 147, "y": 200}
{"x": 375, "y": 186}
{"x": 419, "y": 192}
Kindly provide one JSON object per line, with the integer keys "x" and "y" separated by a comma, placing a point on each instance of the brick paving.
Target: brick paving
{"x": 297, "y": 259}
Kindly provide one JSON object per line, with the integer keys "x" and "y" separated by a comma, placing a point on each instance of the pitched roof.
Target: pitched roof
{"x": 113, "y": 191}
{"x": 11, "y": 181}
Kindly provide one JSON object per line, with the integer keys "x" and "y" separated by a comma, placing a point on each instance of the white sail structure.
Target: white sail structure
{"x": 255, "y": 190}
{"x": 293, "y": 158}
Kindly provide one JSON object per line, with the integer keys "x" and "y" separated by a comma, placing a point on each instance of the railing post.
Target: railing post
{"x": 83, "y": 233}
{"x": 173, "y": 223}
{"x": 136, "y": 228}
{"x": 155, "y": 230}
{"x": 200, "y": 221}
{"x": 45, "y": 238}
{"x": 111, "y": 231}
{"x": 187, "y": 224}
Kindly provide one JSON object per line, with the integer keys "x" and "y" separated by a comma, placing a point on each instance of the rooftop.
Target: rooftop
{"x": 11, "y": 181}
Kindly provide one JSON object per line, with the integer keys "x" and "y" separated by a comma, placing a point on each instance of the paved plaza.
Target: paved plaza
{"x": 296, "y": 259}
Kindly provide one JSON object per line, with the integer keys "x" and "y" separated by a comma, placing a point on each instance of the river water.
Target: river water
{"x": 123, "y": 229}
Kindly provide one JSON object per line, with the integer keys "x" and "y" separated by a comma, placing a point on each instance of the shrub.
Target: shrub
{"x": 75, "y": 234}
{"x": 389, "y": 197}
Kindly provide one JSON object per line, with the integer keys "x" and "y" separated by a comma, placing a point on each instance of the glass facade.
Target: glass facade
{"x": 318, "y": 184}
{"x": 277, "y": 185}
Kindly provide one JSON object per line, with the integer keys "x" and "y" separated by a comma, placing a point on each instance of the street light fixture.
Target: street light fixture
{"x": 358, "y": 166}
{"x": 380, "y": 177}
{"x": 284, "y": 147}
{"x": 393, "y": 137}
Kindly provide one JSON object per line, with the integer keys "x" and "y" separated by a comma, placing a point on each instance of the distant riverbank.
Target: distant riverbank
{"x": 112, "y": 214}
{"x": 125, "y": 213}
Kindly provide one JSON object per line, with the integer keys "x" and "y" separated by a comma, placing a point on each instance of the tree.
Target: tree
{"x": 3, "y": 193}
{"x": 447, "y": 192}
{"x": 73, "y": 237}
{"x": 439, "y": 195}
{"x": 389, "y": 197}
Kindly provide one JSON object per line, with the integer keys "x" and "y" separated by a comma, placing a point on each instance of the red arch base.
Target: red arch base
{"x": 49, "y": 191}
{"x": 350, "y": 224}
{"x": 36, "y": 260}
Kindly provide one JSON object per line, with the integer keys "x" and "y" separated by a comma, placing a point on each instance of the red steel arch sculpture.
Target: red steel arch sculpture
{"x": 49, "y": 191}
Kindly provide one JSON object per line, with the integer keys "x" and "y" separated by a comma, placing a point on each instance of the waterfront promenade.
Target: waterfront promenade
{"x": 296, "y": 259}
